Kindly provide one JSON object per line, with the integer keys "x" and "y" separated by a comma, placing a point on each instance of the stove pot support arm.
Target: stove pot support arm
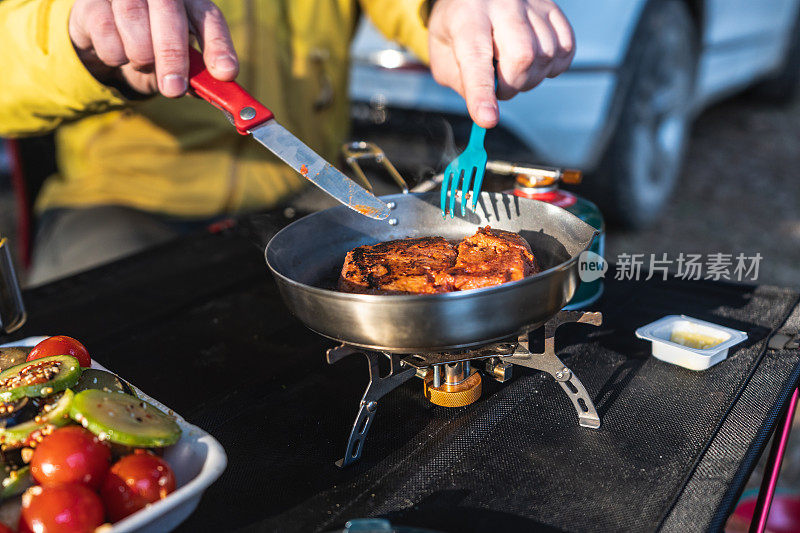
{"x": 549, "y": 362}
{"x": 377, "y": 388}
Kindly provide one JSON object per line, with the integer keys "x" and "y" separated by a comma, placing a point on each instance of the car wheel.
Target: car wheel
{"x": 783, "y": 85}
{"x": 643, "y": 158}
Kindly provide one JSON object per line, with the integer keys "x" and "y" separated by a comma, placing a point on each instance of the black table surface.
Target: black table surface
{"x": 198, "y": 324}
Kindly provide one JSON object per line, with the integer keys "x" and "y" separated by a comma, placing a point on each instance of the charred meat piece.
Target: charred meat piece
{"x": 399, "y": 267}
{"x": 432, "y": 265}
{"x": 491, "y": 257}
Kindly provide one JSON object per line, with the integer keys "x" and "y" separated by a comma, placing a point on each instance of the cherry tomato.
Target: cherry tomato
{"x": 61, "y": 345}
{"x": 134, "y": 481}
{"x": 22, "y": 527}
{"x": 70, "y": 455}
{"x": 68, "y": 508}
{"x": 119, "y": 500}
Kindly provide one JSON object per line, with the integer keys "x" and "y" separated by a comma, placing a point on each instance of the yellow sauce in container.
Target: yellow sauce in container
{"x": 693, "y": 339}
{"x": 689, "y": 342}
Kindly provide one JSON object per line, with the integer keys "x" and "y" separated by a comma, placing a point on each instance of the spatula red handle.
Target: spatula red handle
{"x": 244, "y": 111}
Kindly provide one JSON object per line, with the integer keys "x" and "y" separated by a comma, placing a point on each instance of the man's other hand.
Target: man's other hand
{"x": 144, "y": 43}
{"x": 529, "y": 39}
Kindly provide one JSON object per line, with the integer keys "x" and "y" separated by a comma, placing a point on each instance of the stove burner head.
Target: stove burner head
{"x": 461, "y": 385}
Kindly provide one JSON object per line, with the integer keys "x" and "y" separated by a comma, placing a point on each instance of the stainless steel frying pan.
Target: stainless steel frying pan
{"x": 306, "y": 258}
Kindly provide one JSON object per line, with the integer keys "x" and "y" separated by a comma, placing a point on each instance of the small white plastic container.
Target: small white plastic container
{"x": 666, "y": 334}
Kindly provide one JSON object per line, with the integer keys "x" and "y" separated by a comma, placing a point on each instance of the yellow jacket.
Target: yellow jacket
{"x": 182, "y": 157}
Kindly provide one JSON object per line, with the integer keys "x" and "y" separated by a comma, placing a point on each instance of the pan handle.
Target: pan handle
{"x": 359, "y": 150}
{"x": 362, "y": 150}
{"x": 533, "y": 174}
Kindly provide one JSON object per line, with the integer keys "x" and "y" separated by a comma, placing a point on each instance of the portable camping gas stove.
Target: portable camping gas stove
{"x": 441, "y": 338}
{"x": 451, "y": 379}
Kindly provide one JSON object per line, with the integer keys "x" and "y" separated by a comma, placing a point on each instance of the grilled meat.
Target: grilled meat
{"x": 396, "y": 267}
{"x": 433, "y": 265}
{"x": 491, "y": 257}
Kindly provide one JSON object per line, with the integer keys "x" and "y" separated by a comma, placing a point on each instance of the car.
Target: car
{"x": 622, "y": 112}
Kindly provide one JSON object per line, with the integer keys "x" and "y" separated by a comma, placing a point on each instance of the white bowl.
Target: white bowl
{"x": 197, "y": 459}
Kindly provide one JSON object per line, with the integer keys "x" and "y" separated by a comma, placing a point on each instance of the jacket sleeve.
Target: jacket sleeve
{"x": 402, "y": 21}
{"x": 43, "y": 82}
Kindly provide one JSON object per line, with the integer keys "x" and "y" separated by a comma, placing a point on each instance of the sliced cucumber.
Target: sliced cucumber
{"x": 40, "y": 377}
{"x": 124, "y": 419}
{"x": 54, "y": 413}
{"x": 92, "y": 378}
{"x": 16, "y": 482}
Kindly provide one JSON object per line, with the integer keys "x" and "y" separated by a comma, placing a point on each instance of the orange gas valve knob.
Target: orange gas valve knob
{"x": 445, "y": 395}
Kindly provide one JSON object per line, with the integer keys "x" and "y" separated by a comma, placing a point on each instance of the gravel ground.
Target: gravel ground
{"x": 739, "y": 192}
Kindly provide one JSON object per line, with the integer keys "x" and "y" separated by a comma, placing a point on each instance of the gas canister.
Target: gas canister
{"x": 542, "y": 183}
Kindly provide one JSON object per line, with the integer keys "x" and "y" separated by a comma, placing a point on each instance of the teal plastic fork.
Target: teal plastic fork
{"x": 467, "y": 169}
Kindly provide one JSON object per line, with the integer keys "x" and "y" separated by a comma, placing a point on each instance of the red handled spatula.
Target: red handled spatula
{"x": 251, "y": 117}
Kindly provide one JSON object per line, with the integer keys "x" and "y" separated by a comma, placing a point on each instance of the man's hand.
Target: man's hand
{"x": 144, "y": 43}
{"x": 529, "y": 39}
